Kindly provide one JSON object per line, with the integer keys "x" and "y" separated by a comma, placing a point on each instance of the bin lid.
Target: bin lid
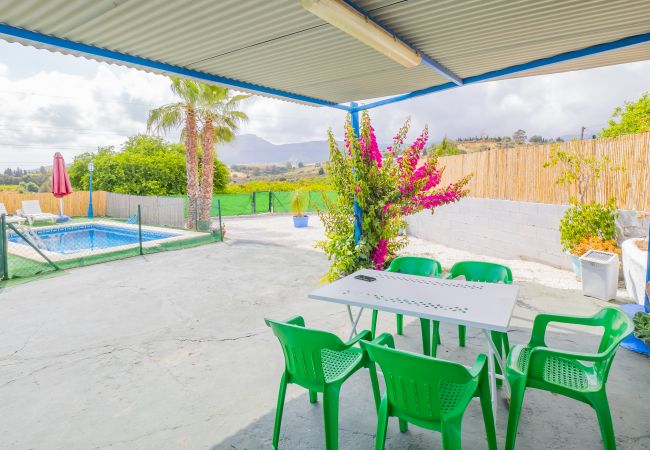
{"x": 598, "y": 256}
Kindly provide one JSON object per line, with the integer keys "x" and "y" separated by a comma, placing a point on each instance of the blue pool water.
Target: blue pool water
{"x": 79, "y": 238}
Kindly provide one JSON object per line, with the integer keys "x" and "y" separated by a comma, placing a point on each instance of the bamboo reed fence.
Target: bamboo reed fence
{"x": 508, "y": 174}
{"x": 75, "y": 204}
{"x": 519, "y": 173}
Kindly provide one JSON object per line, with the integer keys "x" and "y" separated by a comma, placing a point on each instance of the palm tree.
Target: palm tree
{"x": 215, "y": 109}
{"x": 173, "y": 115}
{"x": 220, "y": 121}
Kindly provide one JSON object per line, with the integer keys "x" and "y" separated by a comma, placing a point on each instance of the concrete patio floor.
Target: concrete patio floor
{"x": 170, "y": 351}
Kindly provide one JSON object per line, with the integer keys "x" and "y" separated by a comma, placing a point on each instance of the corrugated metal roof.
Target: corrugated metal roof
{"x": 278, "y": 44}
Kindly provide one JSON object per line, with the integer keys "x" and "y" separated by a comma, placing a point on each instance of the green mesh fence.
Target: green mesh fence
{"x": 264, "y": 202}
{"x": 233, "y": 204}
{"x": 282, "y": 202}
{"x": 28, "y": 252}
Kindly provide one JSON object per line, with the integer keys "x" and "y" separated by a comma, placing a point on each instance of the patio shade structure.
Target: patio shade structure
{"x": 60, "y": 180}
{"x": 281, "y": 49}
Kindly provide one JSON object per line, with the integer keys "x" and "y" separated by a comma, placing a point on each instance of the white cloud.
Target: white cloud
{"x": 68, "y": 104}
{"x": 53, "y": 111}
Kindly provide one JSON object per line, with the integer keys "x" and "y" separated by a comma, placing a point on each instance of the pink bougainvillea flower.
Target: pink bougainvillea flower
{"x": 379, "y": 253}
{"x": 388, "y": 186}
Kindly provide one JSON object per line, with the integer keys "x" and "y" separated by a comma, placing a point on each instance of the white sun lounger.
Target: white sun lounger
{"x": 31, "y": 211}
{"x": 8, "y": 218}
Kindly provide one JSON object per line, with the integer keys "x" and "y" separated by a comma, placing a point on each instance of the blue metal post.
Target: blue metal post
{"x": 646, "y": 301}
{"x": 90, "y": 201}
{"x": 358, "y": 213}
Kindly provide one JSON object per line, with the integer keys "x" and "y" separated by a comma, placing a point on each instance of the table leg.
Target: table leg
{"x": 500, "y": 358}
{"x": 354, "y": 321}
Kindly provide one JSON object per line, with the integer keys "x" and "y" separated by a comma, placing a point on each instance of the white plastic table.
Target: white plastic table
{"x": 487, "y": 306}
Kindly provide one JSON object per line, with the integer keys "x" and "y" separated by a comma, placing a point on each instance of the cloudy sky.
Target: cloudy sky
{"x": 53, "y": 102}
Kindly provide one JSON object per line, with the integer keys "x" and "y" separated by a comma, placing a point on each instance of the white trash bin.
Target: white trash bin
{"x": 599, "y": 274}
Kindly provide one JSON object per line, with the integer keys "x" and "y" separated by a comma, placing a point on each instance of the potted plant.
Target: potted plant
{"x": 299, "y": 202}
{"x": 588, "y": 226}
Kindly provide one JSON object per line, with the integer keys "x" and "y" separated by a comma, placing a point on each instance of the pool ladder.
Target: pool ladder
{"x": 33, "y": 235}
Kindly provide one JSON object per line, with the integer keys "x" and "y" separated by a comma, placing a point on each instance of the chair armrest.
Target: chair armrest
{"x": 297, "y": 320}
{"x": 479, "y": 365}
{"x": 385, "y": 339}
{"x": 365, "y": 335}
{"x": 542, "y": 320}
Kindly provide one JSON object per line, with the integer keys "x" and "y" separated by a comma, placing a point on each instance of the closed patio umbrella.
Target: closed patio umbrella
{"x": 60, "y": 183}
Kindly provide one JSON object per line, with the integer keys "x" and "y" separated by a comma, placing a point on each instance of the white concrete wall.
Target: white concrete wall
{"x": 501, "y": 228}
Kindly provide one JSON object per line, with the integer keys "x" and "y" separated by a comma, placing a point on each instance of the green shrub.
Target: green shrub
{"x": 642, "y": 326}
{"x": 146, "y": 165}
{"x": 310, "y": 184}
{"x": 587, "y": 220}
{"x": 29, "y": 186}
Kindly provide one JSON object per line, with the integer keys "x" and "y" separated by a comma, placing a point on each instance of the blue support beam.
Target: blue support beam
{"x": 358, "y": 212}
{"x": 543, "y": 62}
{"x": 92, "y": 51}
{"x": 646, "y": 301}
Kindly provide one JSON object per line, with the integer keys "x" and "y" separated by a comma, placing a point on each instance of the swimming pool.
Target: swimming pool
{"x": 88, "y": 237}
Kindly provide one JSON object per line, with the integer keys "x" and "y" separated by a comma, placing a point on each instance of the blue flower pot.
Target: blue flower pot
{"x": 575, "y": 263}
{"x": 301, "y": 222}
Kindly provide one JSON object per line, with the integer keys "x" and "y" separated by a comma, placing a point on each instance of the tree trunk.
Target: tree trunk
{"x": 207, "y": 170}
{"x": 192, "y": 166}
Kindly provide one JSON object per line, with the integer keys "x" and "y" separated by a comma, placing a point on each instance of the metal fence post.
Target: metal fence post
{"x": 220, "y": 224}
{"x": 270, "y": 202}
{"x": 4, "y": 260}
{"x": 253, "y": 203}
{"x": 140, "y": 229}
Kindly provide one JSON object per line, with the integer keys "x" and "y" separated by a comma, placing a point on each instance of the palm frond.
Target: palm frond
{"x": 165, "y": 118}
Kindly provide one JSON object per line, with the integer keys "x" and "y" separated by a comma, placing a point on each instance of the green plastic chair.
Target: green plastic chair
{"x": 412, "y": 265}
{"x": 581, "y": 376}
{"x": 487, "y": 273}
{"x": 320, "y": 362}
{"x": 430, "y": 393}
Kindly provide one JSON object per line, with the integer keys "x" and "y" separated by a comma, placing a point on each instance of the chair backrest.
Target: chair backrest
{"x": 3, "y": 210}
{"x": 421, "y": 389}
{"x": 31, "y": 207}
{"x": 617, "y": 326}
{"x": 482, "y": 271}
{"x": 302, "y": 348}
{"x": 416, "y": 265}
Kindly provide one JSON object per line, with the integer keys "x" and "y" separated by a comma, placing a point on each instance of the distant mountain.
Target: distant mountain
{"x": 252, "y": 149}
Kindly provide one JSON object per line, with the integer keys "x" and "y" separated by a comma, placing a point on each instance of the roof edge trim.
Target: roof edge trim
{"x": 542, "y": 62}
{"x": 111, "y": 55}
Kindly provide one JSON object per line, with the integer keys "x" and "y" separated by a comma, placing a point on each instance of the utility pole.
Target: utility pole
{"x": 582, "y": 133}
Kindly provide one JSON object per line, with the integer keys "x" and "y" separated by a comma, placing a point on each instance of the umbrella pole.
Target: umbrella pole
{"x": 61, "y": 205}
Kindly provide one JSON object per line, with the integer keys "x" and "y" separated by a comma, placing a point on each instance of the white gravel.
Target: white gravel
{"x": 279, "y": 230}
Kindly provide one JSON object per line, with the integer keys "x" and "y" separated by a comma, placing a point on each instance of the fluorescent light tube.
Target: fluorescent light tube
{"x": 347, "y": 19}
